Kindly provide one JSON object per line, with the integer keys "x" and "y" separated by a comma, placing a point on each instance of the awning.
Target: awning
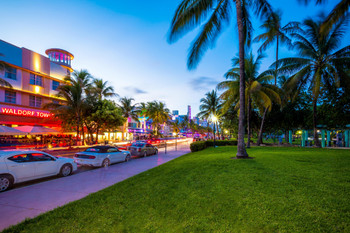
{"x": 37, "y": 130}
{"x": 5, "y": 130}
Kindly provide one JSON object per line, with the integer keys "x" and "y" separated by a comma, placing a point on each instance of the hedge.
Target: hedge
{"x": 201, "y": 145}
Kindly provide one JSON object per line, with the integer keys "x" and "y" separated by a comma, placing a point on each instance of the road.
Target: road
{"x": 32, "y": 199}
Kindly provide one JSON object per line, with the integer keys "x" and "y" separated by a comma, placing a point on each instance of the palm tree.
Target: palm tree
{"x": 191, "y": 14}
{"x": 275, "y": 32}
{"x": 259, "y": 92}
{"x": 74, "y": 94}
{"x": 319, "y": 65}
{"x": 210, "y": 106}
{"x": 335, "y": 16}
{"x": 101, "y": 89}
{"x": 176, "y": 125}
{"x": 129, "y": 110}
{"x": 158, "y": 113}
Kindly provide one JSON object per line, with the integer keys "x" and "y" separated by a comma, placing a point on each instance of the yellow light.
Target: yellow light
{"x": 37, "y": 89}
{"x": 214, "y": 119}
{"x": 36, "y": 61}
{"x": 226, "y": 131}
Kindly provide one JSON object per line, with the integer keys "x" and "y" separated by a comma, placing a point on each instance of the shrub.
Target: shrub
{"x": 197, "y": 146}
{"x": 201, "y": 145}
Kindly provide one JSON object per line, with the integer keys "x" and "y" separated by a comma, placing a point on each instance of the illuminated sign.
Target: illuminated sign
{"x": 24, "y": 112}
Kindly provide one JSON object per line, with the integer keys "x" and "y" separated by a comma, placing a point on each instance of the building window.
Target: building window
{"x": 10, "y": 97}
{"x": 36, "y": 80}
{"x": 10, "y": 73}
{"x": 55, "y": 85}
{"x": 35, "y": 101}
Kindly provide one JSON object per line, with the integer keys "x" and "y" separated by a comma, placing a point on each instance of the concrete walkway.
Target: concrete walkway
{"x": 27, "y": 202}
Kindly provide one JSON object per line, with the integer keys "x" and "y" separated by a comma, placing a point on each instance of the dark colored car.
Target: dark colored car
{"x": 142, "y": 149}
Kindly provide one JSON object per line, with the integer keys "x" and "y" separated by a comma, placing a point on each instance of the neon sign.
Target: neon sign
{"x": 25, "y": 112}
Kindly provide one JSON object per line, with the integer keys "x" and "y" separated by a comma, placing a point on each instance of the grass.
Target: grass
{"x": 282, "y": 189}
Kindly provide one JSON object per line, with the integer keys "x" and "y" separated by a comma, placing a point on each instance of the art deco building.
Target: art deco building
{"x": 34, "y": 79}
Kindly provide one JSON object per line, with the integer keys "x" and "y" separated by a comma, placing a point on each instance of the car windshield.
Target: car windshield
{"x": 93, "y": 150}
{"x": 138, "y": 144}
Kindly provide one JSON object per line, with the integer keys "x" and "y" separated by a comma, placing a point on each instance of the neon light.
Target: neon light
{"x": 24, "y": 112}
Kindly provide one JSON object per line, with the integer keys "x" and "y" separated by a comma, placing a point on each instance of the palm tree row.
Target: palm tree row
{"x": 82, "y": 98}
{"x": 322, "y": 64}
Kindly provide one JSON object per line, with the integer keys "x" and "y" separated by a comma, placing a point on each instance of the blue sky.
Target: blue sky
{"x": 125, "y": 43}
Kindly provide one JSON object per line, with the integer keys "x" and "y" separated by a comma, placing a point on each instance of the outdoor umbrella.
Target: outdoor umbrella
{"x": 5, "y": 130}
{"x": 37, "y": 130}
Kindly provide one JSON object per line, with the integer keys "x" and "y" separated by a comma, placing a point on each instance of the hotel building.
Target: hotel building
{"x": 34, "y": 79}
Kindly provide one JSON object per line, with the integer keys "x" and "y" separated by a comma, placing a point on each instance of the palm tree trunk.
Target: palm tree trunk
{"x": 83, "y": 133}
{"x": 276, "y": 60}
{"x": 260, "y": 141}
{"x": 78, "y": 124}
{"x": 314, "y": 106}
{"x": 249, "y": 116}
{"x": 241, "y": 151}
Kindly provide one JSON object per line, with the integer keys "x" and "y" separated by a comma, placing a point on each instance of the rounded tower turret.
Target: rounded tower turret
{"x": 61, "y": 57}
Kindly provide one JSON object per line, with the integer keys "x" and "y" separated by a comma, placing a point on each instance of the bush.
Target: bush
{"x": 197, "y": 146}
{"x": 201, "y": 145}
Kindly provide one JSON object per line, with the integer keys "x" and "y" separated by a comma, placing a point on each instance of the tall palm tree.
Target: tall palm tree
{"x": 319, "y": 65}
{"x": 340, "y": 11}
{"x": 210, "y": 106}
{"x": 191, "y": 14}
{"x": 158, "y": 113}
{"x": 74, "y": 94}
{"x": 259, "y": 92}
{"x": 129, "y": 110}
{"x": 101, "y": 89}
{"x": 274, "y": 32}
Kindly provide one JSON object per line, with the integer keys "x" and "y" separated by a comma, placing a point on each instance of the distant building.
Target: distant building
{"x": 189, "y": 113}
{"x": 175, "y": 112}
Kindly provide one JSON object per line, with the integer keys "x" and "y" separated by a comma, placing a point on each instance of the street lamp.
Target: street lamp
{"x": 214, "y": 119}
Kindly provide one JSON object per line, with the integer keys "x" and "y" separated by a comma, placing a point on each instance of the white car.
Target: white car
{"x": 101, "y": 156}
{"x": 19, "y": 166}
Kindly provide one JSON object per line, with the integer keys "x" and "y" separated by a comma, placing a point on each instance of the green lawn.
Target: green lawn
{"x": 282, "y": 189}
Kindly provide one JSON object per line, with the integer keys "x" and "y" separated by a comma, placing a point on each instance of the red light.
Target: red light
{"x": 25, "y": 112}
{"x": 139, "y": 149}
{"x": 92, "y": 157}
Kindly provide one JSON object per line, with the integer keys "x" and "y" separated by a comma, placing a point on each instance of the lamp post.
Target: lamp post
{"x": 214, "y": 120}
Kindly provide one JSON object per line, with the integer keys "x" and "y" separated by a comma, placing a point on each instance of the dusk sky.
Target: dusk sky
{"x": 125, "y": 43}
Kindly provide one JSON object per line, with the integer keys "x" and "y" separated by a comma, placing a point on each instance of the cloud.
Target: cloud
{"x": 135, "y": 90}
{"x": 203, "y": 83}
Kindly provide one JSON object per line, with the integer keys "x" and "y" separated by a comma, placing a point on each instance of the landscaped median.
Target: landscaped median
{"x": 282, "y": 189}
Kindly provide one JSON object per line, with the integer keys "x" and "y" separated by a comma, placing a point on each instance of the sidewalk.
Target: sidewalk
{"x": 30, "y": 201}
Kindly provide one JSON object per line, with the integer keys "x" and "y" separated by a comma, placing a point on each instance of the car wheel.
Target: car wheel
{"x": 145, "y": 154}
{"x": 105, "y": 163}
{"x": 127, "y": 158}
{"x": 66, "y": 170}
{"x": 6, "y": 182}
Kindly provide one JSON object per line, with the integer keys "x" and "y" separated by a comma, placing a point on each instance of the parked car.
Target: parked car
{"x": 101, "y": 156}
{"x": 19, "y": 166}
{"x": 123, "y": 147}
{"x": 142, "y": 149}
